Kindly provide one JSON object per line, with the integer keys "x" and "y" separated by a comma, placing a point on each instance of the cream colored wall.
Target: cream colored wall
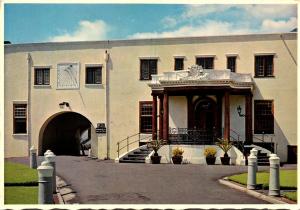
{"x": 177, "y": 112}
{"x": 127, "y": 90}
{"x": 87, "y": 100}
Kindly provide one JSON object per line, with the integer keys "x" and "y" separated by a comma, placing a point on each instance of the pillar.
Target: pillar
{"x": 248, "y": 119}
{"x": 190, "y": 110}
{"x": 226, "y": 116}
{"x": 219, "y": 115}
{"x": 166, "y": 118}
{"x": 160, "y": 117}
{"x": 154, "y": 117}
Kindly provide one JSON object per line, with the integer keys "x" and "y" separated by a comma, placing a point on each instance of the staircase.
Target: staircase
{"x": 262, "y": 157}
{"x": 136, "y": 156}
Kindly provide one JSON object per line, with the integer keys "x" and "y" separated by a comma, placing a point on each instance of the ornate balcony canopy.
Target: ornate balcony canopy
{"x": 197, "y": 76}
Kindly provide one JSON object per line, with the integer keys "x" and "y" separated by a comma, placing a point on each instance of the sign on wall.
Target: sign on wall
{"x": 68, "y": 76}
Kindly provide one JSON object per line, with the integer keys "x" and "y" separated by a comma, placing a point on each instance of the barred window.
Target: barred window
{"x": 147, "y": 67}
{"x": 205, "y": 62}
{"x": 41, "y": 76}
{"x": 264, "y": 66}
{"x": 93, "y": 75}
{"x": 145, "y": 116}
{"x": 179, "y": 64}
{"x": 20, "y": 118}
{"x": 231, "y": 63}
{"x": 263, "y": 116}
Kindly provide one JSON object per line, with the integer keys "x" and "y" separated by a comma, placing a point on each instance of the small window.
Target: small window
{"x": 205, "y": 62}
{"x": 231, "y": 63}
{"x": 41, "y": 76}
{"x": 263, "y": 117}
{"x": 146, "y": 116}
{"x": 179, "y": 65}
{"x": 264, "y": 66}
{"x": 20, "y": 118}
{"x": 147, "y": 68}
{"x": 93, "y": 75}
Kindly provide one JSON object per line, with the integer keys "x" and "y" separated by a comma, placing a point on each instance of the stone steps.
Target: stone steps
{"x": 136, "y": 156}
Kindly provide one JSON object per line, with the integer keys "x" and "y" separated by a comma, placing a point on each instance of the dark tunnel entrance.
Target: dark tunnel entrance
{"x": 64, "y": 134}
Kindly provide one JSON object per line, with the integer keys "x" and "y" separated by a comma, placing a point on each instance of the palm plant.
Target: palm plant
{"x": 225, "y": 145}
{"x": 156, "y": 145}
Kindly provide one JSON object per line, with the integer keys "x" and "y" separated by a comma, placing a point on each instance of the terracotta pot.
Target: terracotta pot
{"x": 155, "y": 159}
{"x": 225, "y": 160}
{"x": 177, "y": 159}
{"x": 210, "y": 160}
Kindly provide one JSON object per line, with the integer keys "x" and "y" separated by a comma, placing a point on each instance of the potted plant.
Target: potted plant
{"x": 225, "y": 145}
{"x": 177, "y": 155}
{"x": 210, "y": 155}
{"x": 155, "y": 145}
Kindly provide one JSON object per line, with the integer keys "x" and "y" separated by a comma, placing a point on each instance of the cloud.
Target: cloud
{"x": 194, "y": 11}
{"x": 270, "y": 26}
{"x": 169, "y": 22}
{"x": 209, "y": 28}
{"x": 270, "y": 11}
{"x": 85, "y": 31}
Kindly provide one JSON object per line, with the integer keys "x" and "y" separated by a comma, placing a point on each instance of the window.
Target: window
{"x": 264, "y": 66}
{"x": 179, "y": 64}
{"x": 148, "y": 67}
{"x": 20, "y": 118}
{"x": 263, "y": 116}
{"x": 41, "y": 76}
{"x": 231, "y": 63}
{"x": 205, "y": 62}
{"x": 145, "y": 116}
{"x": 93, "y": 75}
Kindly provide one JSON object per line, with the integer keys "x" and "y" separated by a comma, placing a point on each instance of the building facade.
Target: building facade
{"x": 241, "y": 86}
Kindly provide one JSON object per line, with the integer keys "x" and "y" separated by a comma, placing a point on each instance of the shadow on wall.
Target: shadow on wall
{"x": 279, "y": 136}
{"x": 61, "y": 133}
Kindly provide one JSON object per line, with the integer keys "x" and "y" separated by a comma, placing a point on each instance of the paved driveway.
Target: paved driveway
{"x": 106, "y": 182}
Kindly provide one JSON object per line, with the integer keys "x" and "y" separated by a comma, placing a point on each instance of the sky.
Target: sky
{"x": 30, "y": 23}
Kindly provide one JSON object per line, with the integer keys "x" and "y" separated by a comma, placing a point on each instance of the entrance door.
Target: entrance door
{"x": 205, "y": 118}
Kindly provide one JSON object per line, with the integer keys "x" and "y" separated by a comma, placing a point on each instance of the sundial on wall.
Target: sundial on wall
{"x": 68, "y": 76}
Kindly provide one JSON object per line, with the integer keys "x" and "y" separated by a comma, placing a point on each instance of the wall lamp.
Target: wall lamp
{"x": 62, "y": 104}
{"x": 239, "y": 110}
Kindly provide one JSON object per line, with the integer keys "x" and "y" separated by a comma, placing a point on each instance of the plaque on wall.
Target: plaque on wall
{"x": 68, "y": 76}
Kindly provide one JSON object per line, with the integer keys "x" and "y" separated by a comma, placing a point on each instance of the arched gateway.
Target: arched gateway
{"x": 63, "y": 132}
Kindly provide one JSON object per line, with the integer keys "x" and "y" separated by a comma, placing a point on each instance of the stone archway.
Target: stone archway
{"x": 62, "y": 133}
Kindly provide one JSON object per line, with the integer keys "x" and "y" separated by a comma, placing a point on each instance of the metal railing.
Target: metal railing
{"x": 266, "y": 139}
{"x": 191, "y": 136}
{"x": 129, "y": 140}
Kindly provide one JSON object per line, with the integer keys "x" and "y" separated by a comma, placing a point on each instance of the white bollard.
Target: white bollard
{"x": 47, "y": 152}
{"x": 274, "y": 181}
{"x": 254, "y": 152}
{"x": 50, "y": 157}
{"x": 45, "y": 172}
{"x": 33, "y": 158}
{"x": 252, "y": 166}
{"x": 90, "y": 153}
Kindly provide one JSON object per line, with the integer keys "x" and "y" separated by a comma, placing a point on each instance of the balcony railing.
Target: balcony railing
{"x": 192, "y": 136}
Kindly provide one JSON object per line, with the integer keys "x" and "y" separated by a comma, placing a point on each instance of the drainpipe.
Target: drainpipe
{"x": 288, "y": 49}
{"x": 29, "y": 64}
{"x": 107, "y": 103}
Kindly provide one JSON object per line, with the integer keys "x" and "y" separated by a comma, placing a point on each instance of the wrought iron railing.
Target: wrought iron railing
{"x": 191, "y": 136}
{"x": 130, "y": 140}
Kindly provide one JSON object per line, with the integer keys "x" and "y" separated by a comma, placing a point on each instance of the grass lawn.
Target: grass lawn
{"x": 290, "y": 195}
{"x": 20, "y": 195}
{"x": 288, "y": 179}
{"x": 19, "y": 174}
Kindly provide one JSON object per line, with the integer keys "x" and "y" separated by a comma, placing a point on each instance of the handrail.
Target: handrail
{"x": 129, "y": 142}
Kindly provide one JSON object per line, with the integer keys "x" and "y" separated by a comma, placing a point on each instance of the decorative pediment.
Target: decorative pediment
{"x": 195, "y": 73}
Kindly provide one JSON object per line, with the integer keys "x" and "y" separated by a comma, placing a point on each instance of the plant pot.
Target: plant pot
{"x": 177, "y": 159}
{"x": 210, "y": 160}
{"x": 155, "y": 159}
{"x": 225, "y": 160}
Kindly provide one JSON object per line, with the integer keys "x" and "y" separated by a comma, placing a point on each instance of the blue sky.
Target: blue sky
{"x": 26, "y": 23}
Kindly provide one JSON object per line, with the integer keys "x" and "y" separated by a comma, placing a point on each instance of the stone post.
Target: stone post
{"x": 254, "y": 152}
{"x": 47, "y": 152}
{"x": 45, "y": 172}
{"x": 50, "y": 157}
{"x": 90, "y": 153}
{"x": 33, "y": 158}
{"x": 274, "y": 183}
{"x": 252, "y": 165}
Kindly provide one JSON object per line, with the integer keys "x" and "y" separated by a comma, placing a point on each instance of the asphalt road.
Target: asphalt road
{"x": 105, "y": 182}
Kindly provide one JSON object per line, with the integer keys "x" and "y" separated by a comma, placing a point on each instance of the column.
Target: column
{"x": 154, "y": 117}
{"x": 219, "y": 115}
{"x": 226, "y": 116}
{"x": 166, "y": 118}
{"x": 248, "y": 119}
{"x": 161, "y": 117}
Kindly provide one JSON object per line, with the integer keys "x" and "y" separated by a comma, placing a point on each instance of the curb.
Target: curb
{"x": 251, "y": 192}
{"x": 64, "y": 193}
